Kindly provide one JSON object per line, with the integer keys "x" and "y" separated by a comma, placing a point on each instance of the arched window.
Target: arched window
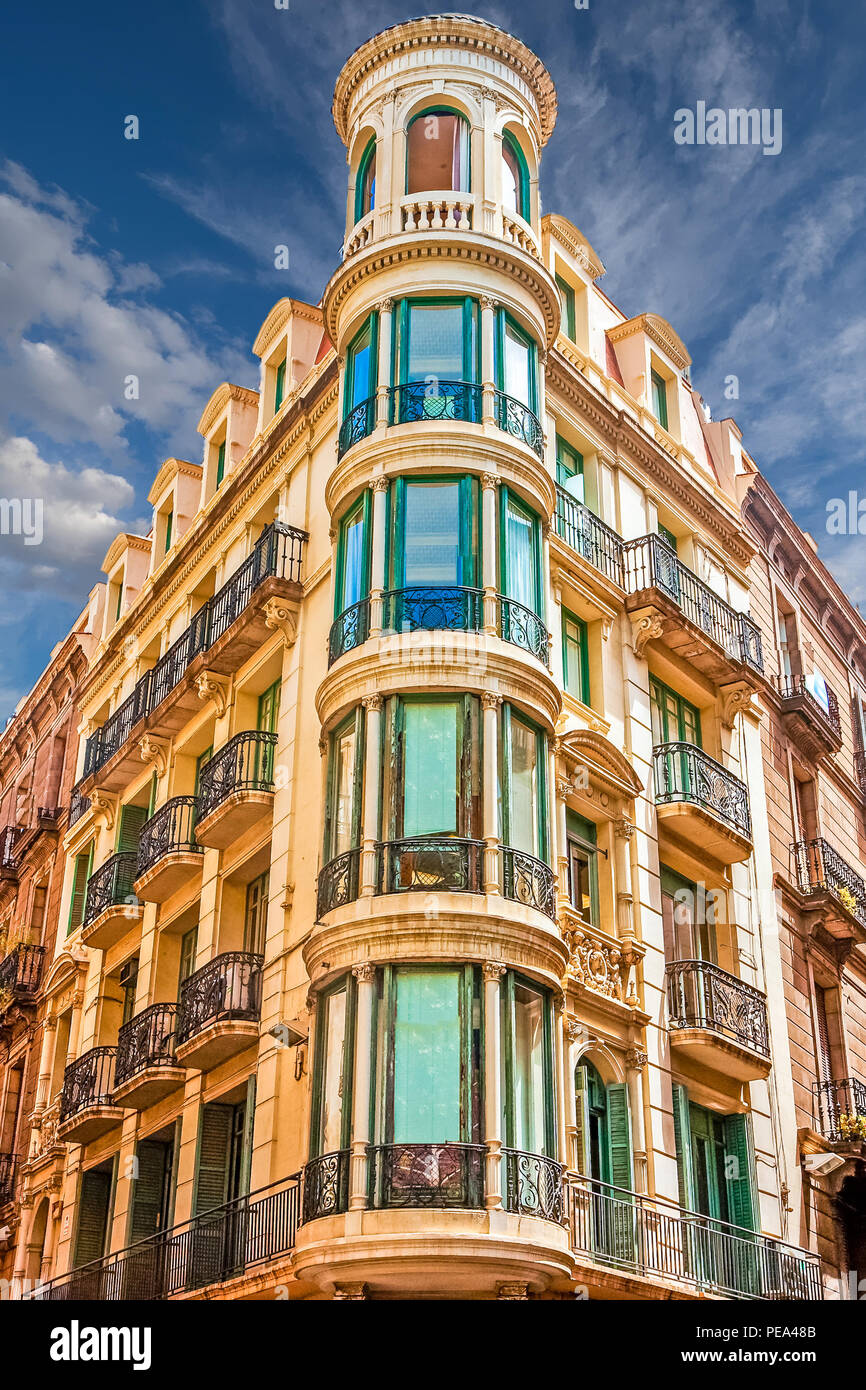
{"x": 515, "y": 178}
{"x": 603, "y": 1128}
{"x": 365, "y": 183}
{"x": 437, "y": 152}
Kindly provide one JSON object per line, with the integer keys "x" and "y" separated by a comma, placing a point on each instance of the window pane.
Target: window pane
{"x": 528, "y": 1070}
{"x": 511, "y": 200}
{"x": 360, "y": 368}
{"x": 367, "y": 197}
{"x": 581, "y": 894}
{"x": 435, "y": 343}
{"x": 332, "y": 1078}
{"x": 438, "y": 153}
{"x": 430, "y": 768}
{"x": 344, "y": 793}
{"x": 427, "y": 1057}
{"x": 524, "y": 788}
{"x": 353, "y": 561}
{"x": 432, "y": 531}
{"x": 517, "y": 372}
{"x": 520, "y": 557}
{"x": 574, "y": 638}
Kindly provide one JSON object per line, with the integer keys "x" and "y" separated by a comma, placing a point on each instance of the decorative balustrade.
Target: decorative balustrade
{"x": 326, "y": 1186}
{"x": 528, "y": 880}
{"x": 432, "y": 608}
{"x": 532, "y": 1185}
{"x": 362, "y": 235}
{"x": 702, "y": 995}
{"x": 244, "y": 764}
{"x": 278, "y": 553}
{"x": 226, "y": 1241}
{"x": 798, "y": 688}
{"x": 111, "y": 886}
{"x": 519, "y": 233}
{"x": 431, "y": 863}
{"x": 820, "y": 868}
{"x": 359, "y": 422}
{"x": 88, "y": 1082}
{"x": 518, "y": 420}
{"x": 839, "y": 1110}
{"x": 588, "y": 535}
{"x": 438, "y": 212}
{"x": 434, "y": 399}
{"x": 7, "y": 1177}
{"x": 427, "y": 1175}
{"x": 227, "y": 989}
{"x": 338, "y": 882}
{"x": 170, "y": 831}
{"x": 351, "y": 629}
{"x": 21, "y": 970}
{"x": 650, "y": 563}
{"x": 650, "y": 1236}
{"x": 147, "y": 1040}
{"x": 78, "y": 806}
{"x": 685, "y": 773}
{"x": 518, "y": 624}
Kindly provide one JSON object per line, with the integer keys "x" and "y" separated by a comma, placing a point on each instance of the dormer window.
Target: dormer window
{"x": 365, "y": 184}
{"x": 659, "y": 392}
{"x": 515, "y": 178}
{"x": 438, "y": 152}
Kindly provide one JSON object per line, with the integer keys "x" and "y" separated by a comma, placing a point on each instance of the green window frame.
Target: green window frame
{"x": 344, "y": 803}
{"x": 674, "y": 719}
{"x": 508, "y": 329}
{"x": 362, "y": 366}
{"x": 465, "y": 150}
{"x": 169, "y": 522}
{"x": 152, "y": 1195}
{"x": 81, "y": 871}
{"x": 715, "y": 1163}
{"x": 685, "y": 938}
{"x": 581, "y": 836}
{"x": 520, "y": 573}
{"x": 667, "y": 536}
{"x": 268, "y": 712}
{"x": 119, "y": 608}
{"x": 467, "y": 531}
{"x": 403, "y": 371}
{"x": 221, "y": 463}
{"x": 128, "y": 985}
{"x": 569, "y": 468}
{"x": 93, "y": 1212}
{"x": 512, "y": 724}
{"x": 256, "y": 914}
{"x": 331, "y": 1112}
{"x": 566, "y": 292}
{"x": 575, "y": 656}
{"x": 188, "y": 949}
{"x": 200, "y": 762}
{"x": 603, "y": 1140}
{"x": 659, "y": 388}
{"x": 520, "y": 174}
{"x": 421, "y": 733}
{"x": 528, "y": 1088}
{"x": 353, "y": 556}
{"x": 129, "y": 824}
{"x": 279, "y": 385}
{"x": 365, "y": 182}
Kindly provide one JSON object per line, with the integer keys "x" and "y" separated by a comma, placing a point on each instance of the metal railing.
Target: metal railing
{"x": 170, "y": 831}
{"x": 208, "y": 1249}
{"x": 351, "y": 629}
{"x": 650, "y": 1236}
{"x": 435, "y": 400}
{"x": 519, "y": 421}
{"x": 532, "y": 1185}
{"x": 860, "y": 769}
{"x": 87, "y": 1082}
{"x": 432, "y": 608}
{"x": 685, "y": 773}
{"x": 589, "y": 536}
{"x": 429, "y": 863}
{"x": 820, "y": 868}
{"x": 111, "y": 886}
{"x": 9, "y": 837}
{"x": 650, "y": 563}
{"x": 147, "y": 1040}
{"x": 244, "y": 764}
{"x": 78, "y": 805}
{"x": 839, "y": 1110}
{"x": 702, "y": 995}
{"x": 338, "y": 882}
{"x": 427, "y": 1175}
{"x": 796, "y": 687}
{"x": 21, "y": 969}
{"x": 528, "y": 880}
{"x": 360, "y": 421}
{"x": 228, "y": 988}
{"x": 278, "y": 553}
{"x": 8, "y": 1163}
{"x": 518, "y": 624}
{"x": 326, "y": 1185}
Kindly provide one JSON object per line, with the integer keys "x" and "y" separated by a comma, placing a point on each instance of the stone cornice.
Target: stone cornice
{"x": 125, "y": 541}
{"x": 659, "y": 331}
{"x": 171, "y": 469}
{"x": 575, "y": 243}
{"x": 219, "y": 402}
{"x": 57, "y": 686}
{"x": 283, "y": 310}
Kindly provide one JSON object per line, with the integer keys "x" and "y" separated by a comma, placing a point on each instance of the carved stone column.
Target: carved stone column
{"x": 636, "y": 1062}
{"x": 623, "y": 830}
{"x": 361, "y": 1082}
{"x": 493, "y": 972}
{"x": 574, "y": 1034}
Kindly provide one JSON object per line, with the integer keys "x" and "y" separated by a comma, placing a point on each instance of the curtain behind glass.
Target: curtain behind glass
{"x": 524, "y": 788}
{"x": 517, "y": 367}
{"x": 432, "y": 533}
{"x": 528, "y": 1100}
{"x": 520, "y": 557}
{"x": 353, "y": 562}
{"x": 361, "y": 363}
{"x": 435, "y": 343}
{"x": 430, "y": 772}
{"x": 427, "y": 1057}
{"x": 345, "y": 794}
{"x": 438, "y": 153}
{"x": 332, "y": 1080}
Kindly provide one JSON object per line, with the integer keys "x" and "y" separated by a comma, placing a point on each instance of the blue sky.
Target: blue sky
{"x": 155, "y": 256}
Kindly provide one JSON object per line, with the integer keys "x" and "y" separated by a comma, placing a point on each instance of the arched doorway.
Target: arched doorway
{"x": 605, "y": 1207}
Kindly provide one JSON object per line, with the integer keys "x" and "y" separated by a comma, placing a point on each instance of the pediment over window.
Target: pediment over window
{"x": 605, "y": 764}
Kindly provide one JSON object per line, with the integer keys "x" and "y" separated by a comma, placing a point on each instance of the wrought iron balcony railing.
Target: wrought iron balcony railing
{"x": 78, "y": 805}
{"x": 9, "y": 837}
{"x": 528, "y": 880}
{"x": 326, "y": 1186}
{"x": 431, "y": 863}
{"x": 650, "y": 1236}
{"x": 702, "y": 995}
{"x": 524, "y": 628}
{"x": 208, "y": 1249}
{"x": 589, "y": 536}
{"x": 684, "y": 772}
{"x": 433, "y": 608}
{"x": 338, "y": 882}
{"x": 532, "y": 1185}
{"x": 350, "y": 630}
{"x": 427, "y": 1175}
{"x": 359, "y": 422}
{"x": 651, "y": 564}
{"x": 7, "y": 1177}
{"x": 860, "y": 769}
{"x": 228, "y": 988}
{"x": 244, "y": 764}
{"x": 147, "y": 1040}
{"x": 111, "y": 886}
{"x": 170, "y": 831}
{"x": 820, "y": 868}
{"x": 797, "y": 687}
{"x": 519, "y": 421}
{"x": 839, "y": 1110}
{"x": 87, "y": 1082}
{"x": 435, "y": 400}
{"x": 21, "y": 970}
{"x": 278, "y": 553}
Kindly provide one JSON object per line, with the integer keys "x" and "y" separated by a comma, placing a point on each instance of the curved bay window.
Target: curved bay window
{"x": 428, "y": 1150}
{"x": 339, "y": 879}
{"x": 515, "y": 178}
{"x": 516, "y": 363}
{"x": 326, "y": 1176}
{"x": 431, "y": 795}
{"x": 527, "y": 878}
{"x": 359, "y": 385}
{"x": 434, "y": 556}
{"x": 532, "y": 1176}
{"x": 351, "y": 624}
{"x": 436, "y": 360}
{"x": 365, "y": 182}
{"x": 437, "y": 152}
{"x": 521, "y": 606}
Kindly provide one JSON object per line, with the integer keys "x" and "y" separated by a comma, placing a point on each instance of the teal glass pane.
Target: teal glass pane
{"x": 528, "y": 1100}
{"x": 524, "y": 788}
{"x": 520, "y": 557}
{"x": 430, "y": 768}
{"x": 331, "y": 1132}
{"x": 344, "y": 793}
{"x": 517, "y": 367}
{"x": 427, "y": 1057}
{"x": 432, "y": 533}
{"x": 360, "y": 369}
{"x": 435, "y": 343}
{"x": 353, "y": 562}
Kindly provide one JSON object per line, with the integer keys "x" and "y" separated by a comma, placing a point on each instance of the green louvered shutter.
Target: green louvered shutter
{"x": 581, "y": 1098}
{"x": 94, "y": 1201}
{"x": 81, "y": 873}
{"x": 212, "y": 1170}
{"x": 740, "y": 1170}
{"x": 132, "y": 818}
{"x": 683, "y": 1140}
{"x": 619, "y": 1137}
{"x": 146, "y": 1213}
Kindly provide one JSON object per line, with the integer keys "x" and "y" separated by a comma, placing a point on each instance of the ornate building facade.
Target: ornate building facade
{"x": 422, "y": 937}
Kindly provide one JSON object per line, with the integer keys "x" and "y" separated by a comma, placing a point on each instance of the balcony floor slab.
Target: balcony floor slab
{"x": 233, "y": 817}
{"x": 175, "y": 870}
{"x": 111, "y": 926}
{"x": 216, "y": 1043}
{"x": 148, "y": 1086}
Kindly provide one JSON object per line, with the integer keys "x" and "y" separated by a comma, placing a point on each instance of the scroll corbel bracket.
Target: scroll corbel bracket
{"x": 210, "y": 686}
{"x": 155, "y": 752}
{"x": 281, "y": 617}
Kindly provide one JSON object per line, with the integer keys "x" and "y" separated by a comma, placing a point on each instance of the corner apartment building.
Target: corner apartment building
{"x": 423, "y": 880}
